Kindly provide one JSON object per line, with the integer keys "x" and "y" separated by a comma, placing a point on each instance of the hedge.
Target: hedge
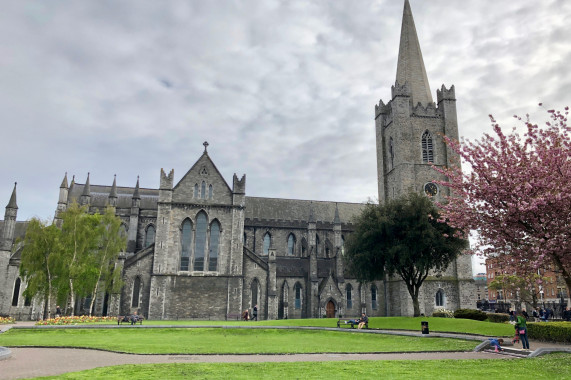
{"x": 477, "y": 315}
{"x": 498, "y": 317}
{"x": 550, "y": 331}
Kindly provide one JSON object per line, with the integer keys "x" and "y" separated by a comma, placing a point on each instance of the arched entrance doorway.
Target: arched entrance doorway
{"x": 330, "y": 310}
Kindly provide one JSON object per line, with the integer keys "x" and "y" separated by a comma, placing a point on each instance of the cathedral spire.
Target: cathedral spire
{"x": 12, "y": 203}
{"x": 410, "y": 67}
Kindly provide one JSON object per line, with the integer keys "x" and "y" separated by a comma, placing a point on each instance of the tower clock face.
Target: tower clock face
{"x": 431, "y": 189}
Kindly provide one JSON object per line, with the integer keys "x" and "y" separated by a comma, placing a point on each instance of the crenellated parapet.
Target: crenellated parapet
{"x": 446, "y": 94}
{"x": 239, "y": 185}
{"x": 400, "y": 90}
{"x": 167, "y": 180}
{"x": 429, "y": 111}
{"x": 381, "y": 109}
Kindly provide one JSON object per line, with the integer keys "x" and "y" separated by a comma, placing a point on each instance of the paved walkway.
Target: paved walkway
{"x": 27, "y": 362}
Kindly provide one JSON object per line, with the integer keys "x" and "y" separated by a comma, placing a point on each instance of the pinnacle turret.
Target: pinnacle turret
{"x": 336, "y": 220}
{"x": 410, "y": 67}
{"x": 113, "y": 192}
{"x": 64, "y": 182}
{"x": 136, "y": 192}
{"x": 12, "y": 203}
{"x": 86, "y": 188}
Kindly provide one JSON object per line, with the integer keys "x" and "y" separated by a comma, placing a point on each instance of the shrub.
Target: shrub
{"x": 443, "y": 313}
{"x": 498, "y": 317}
{"x": 477, "y": 315}
{"x": 550, "y": 331}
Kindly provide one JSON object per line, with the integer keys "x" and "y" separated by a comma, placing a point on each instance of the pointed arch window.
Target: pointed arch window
{"x": 374, "y": 297}
{"x": 349, "y": 293}
{"x": 196, "y": 193}
{"x": 16, "y": 294}
{"x": 342, "y": 245}
{"x": 290, "y": 245}
{"x": 317, "y": 244}
{"x": 200, "y": 247}
{"x": 203, "y": 190}
{"x": 209, "y": 191}
{"x": 214, "y": 243}
{"x": 297, "y": 290}
{"x": 150, "y": 236}
{"x": 427, "y": 148}
{"x": 186, "y": 244}
{"x": 267, "y": 243}
{"x": 136, "y": 292}
{"x": 391, "y": 154}
{"x": 439, "y": 298}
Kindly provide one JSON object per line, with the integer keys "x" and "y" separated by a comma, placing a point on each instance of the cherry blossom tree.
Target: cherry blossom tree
{"x": 517, "y": 193}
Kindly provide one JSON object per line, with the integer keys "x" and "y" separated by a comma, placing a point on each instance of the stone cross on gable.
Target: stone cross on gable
{"x": 205, "y": 145}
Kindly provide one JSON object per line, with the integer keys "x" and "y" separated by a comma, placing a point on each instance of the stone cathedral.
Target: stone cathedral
{"x": 199, "y": 247}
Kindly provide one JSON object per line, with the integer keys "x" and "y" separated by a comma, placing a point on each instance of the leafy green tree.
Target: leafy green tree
{"x": 403, "y": 237}
{"x": 104, "y": 259}
{"x": 80, "y": 240}
{"x": 41, "y": 265}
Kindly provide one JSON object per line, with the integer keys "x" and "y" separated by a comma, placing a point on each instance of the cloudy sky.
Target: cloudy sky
{"x": 283, "y": 91}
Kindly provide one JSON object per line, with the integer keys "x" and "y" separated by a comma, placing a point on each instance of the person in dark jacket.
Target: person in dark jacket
{"x": 255, "y": 313}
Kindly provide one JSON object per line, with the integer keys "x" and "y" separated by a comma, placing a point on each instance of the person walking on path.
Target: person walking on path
{"x": 255, "y": 313}
{"x": 521, "y": 327}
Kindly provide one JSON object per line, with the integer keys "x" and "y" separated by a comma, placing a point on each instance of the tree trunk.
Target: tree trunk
{"x": 415, "y": 305}
{"x": 94, "y": 294}
{"x": 72, "y": 297}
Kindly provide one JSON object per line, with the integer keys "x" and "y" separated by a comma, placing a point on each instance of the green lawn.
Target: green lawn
{"x": 227, "y": 341}
{"x": 551, "y": 367}
{"x": 466, "y": 326}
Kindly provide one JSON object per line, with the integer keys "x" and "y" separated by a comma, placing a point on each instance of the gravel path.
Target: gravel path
{"x": 33, "y": 362}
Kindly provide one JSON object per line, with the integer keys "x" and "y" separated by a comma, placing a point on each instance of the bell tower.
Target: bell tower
{"x": 410, "y": 126}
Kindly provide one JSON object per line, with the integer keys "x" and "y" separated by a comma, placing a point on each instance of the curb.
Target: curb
{"x": 5, "y": 353}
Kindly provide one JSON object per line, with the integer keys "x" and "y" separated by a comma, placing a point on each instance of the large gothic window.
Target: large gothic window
{"x": 16, "y": 294}
{"x": 439, "y": 298}
{"x": 290, "y": 245}
{"x": 136, "y": 292}
{"x": 214, "y": 243}
{"x": 349, "y": 291}
{"x": 200, "y": 248}
{"x": 297, "y": 290}
{"x": 427, "y": 148}
{"x": 186, "y": 244}
{"x": 150, "y": 236}
{"x": 267, "y": 243}
{"x": 374, "y": 297}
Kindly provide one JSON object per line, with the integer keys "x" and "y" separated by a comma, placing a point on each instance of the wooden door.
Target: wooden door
{"x": 330, "y": 310}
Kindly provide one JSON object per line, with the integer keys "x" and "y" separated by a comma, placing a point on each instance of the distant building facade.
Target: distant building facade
{"x": 201, "y": 248}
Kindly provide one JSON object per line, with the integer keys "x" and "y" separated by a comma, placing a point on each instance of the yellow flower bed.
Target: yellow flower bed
{"x": 6, "y": 320}
{"x": 74, "y": 320}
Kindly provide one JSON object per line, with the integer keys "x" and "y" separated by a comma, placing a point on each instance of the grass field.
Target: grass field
{"x": 465, "y": 326}
{"x": 550, "y": 367}
{"x": 227, "y": 341}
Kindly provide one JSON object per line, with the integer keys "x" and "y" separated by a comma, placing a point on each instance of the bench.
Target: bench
{"x": 127, "y": 319}
{"x": 344, "y": 322}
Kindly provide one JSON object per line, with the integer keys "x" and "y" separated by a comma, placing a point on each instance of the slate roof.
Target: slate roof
{"x": 100, "y": 196}
{"x": 19, "y": 229}
{"x": 298, "y": 210}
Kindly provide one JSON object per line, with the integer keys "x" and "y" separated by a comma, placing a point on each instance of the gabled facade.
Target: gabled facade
{"x": 199, "y": 248}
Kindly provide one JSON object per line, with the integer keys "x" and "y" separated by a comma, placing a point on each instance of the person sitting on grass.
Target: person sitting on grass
{"x": 496, "y": 343}
{"x": 363, "y": 321}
